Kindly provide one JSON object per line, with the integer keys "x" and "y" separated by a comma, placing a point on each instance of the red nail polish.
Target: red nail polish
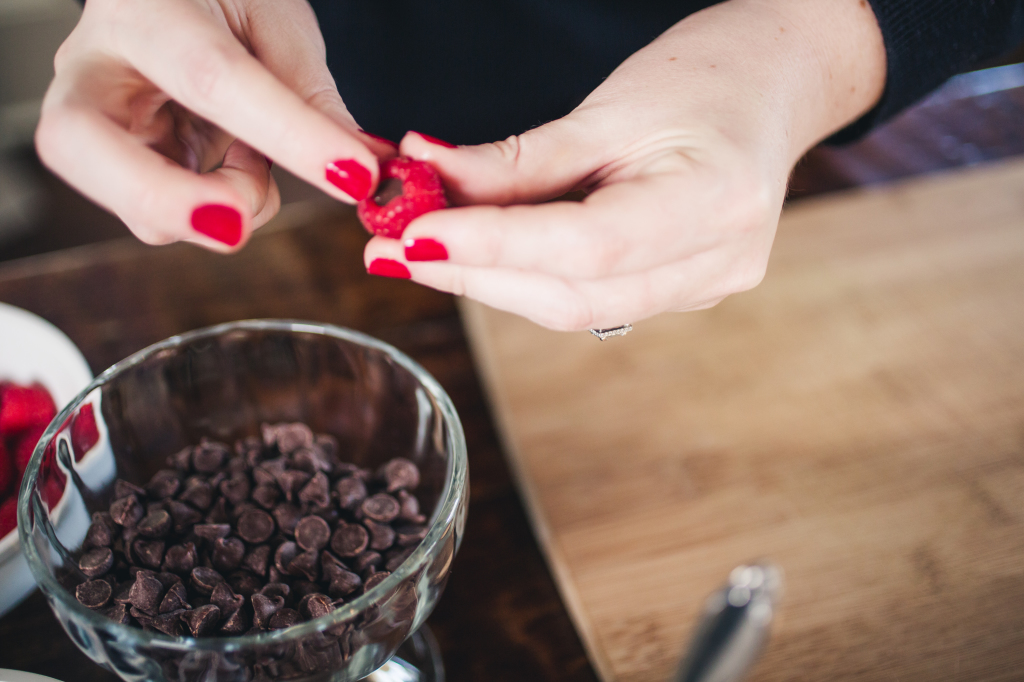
{"x": 434, "y": 140}
{"x": 380, "y": 139}
{"x": 425, "y": 249}
{"x": 350, "y": 176}
{"x": 219, "y": 222}
{"x": 385, "y": 267}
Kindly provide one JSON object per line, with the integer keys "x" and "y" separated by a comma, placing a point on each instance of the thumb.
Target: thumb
{"x": 536, "y": 166}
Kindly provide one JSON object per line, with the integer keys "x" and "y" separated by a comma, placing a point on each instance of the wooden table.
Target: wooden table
{"x": 501, "y": 617}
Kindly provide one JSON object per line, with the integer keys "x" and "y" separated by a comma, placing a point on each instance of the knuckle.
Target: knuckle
{"x": 48, "y": 135}
{"x": 572, "y": 314}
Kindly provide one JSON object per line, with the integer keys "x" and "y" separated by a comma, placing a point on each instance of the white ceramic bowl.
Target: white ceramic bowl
{"x": 33, "y": 350}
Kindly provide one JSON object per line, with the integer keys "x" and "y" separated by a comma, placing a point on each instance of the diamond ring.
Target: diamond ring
{"x": 612, "y": 331}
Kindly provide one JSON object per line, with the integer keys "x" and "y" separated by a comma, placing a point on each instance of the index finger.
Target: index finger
{"x": 200, "y": 64}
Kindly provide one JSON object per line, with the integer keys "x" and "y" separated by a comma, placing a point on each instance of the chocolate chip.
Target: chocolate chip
{"x": 169, "y": 622}
{"x": 366, "y": 560}
{"x": 310, "y": 459}
{"x": 285, "y": 554}
{"x": 205, "y": 579}
{"x": 344, "y": 583}
{"x": 94, "y": 594}
{"x": 175, "y": 599}
{"x": 155, "y": 524}
{"x": 212, "y": 531}
{"x": 285, "y": 618}
{"x": 266, "y": 495}
{"x": 238, "y": 622}
{"x": 312, "y": 533}
{"x": 374, "y": 580}
{"x": 168, "y": 579}
{"x": 306, "y": 564}
{"x": 180, "y": 558}
{"x": 400, "y": 473}
{"x": 202, "y": 620}
{"x": 316, "y": 493}
{"x": 287, "y": 517}
{"x": 198, "y": 493}
{"x": 256, "y": 559}
{"x": 227, "y": 554}
{"x": 380, "y": 507}
{"x": 145, "y": 594}
{"x": 410, "y": 507}
{"x": 316, "y": 605}
{"x": 226, "y": 600}
{"x": 382, "y": 536}
{"x": 291, "y": 482}
{"x": 121, "y": 594}
{"x": 181, "y": 460}
{"x": 255, "y": 526}
{"x": 149, "y": 553}
{"x": 350, "y": 491}
{"x": 99, "y": 534}
{"x": 96, "y": 562}
{"x": 349, "y": 539}
{"x": 266, "y": 473}
{"x": 236, "y": 488}
{"x": 165, "y": 483}
{"x": 287, "y": 437}
{"x": 184, "y": 516}
{"x": 264, "y": 608}
{"x": 218, "y": 513}
{"x": 276, "y": 589}
{"x": 123, "y": 488}
{"x": 126, "y": 511}
{"x": 117, "y": 613}
{"x": 396, "y": 558}
{"x": 406, "y": 535}
{"x": 209, "y": 456}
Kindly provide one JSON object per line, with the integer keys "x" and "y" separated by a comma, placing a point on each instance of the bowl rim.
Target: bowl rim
{"x": 455, "y": 487}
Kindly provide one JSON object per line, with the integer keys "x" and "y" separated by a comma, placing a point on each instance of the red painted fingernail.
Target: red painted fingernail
{"x": 385, "y": 267}
{"x": 425, "y": 249}
{"x": 379, "y": 138}
{"x": 434, "y": 140}
{"x": 270, "y": 162}
{"x": 219, "y": 222}
{"x": 350, "y": 176}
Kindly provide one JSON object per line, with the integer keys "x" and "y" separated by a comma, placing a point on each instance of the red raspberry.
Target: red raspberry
{"x": 22, "y": 407}
{"x": 7, "y": 470}
{"x": 24, "y": 445}
{"x": 8, "y": 515}
{"x": 84, "y": 434}
{"x": 407, "y": 190}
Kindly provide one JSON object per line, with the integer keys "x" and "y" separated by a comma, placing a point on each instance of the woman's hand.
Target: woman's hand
{"x": 684, "y": 152}
{"x": 167, "y": 113}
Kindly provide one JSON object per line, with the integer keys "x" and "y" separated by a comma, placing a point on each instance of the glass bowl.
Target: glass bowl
{"x": 222, "y": 383}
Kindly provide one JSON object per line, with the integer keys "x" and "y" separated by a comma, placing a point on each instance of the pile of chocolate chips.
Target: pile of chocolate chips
{"x": 278, "y": 531}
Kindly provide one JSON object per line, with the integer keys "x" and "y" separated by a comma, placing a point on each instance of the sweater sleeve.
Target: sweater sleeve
{"x": 927, "y": 41}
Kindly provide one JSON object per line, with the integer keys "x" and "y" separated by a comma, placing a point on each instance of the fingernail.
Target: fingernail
{"x": 379, "y": 138}
{"x": 350, "y": 176}
{"x": 270, "y": 162}
{"x": 425, "y": 249}
{"x": 385, "y": 267}
{"x": 219, "y": 222}
{"x": 434, "y": 140}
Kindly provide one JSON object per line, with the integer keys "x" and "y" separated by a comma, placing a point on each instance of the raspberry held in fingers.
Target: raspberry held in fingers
{"x": 385, "y": 267}
{"x": 219, "y": 222}
{"x": 350, "y": 176}
{"x": 407, "y": 190}
{"x": 425, "y": 250}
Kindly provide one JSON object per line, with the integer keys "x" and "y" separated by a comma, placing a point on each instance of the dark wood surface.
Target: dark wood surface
{"x": 500, "y": 617}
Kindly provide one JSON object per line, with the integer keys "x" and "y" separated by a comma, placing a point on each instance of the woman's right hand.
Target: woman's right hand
{"x": 167, "y": 114}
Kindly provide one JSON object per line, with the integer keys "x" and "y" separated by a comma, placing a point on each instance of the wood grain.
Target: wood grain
{"x": 858, "y": 418}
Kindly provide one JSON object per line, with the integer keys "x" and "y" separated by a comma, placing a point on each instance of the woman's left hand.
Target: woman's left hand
{"x": 684, "y": 153}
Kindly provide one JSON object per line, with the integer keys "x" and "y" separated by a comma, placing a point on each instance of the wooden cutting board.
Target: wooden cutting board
{"x": 858, "y": 418}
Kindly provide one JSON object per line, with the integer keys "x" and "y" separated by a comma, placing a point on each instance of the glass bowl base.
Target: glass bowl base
{"x": 417, "y": 660}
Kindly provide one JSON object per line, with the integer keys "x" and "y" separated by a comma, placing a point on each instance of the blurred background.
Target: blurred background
{"x": 975, "y": 118}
